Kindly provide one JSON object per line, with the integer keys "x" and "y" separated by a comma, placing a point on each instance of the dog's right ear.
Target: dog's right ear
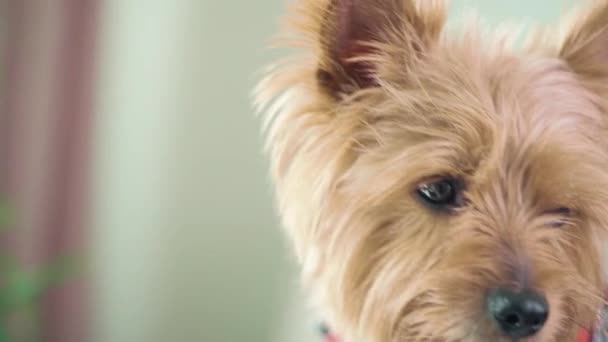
{"x": 585, "y": 47}
{"x": 354, "y": 34}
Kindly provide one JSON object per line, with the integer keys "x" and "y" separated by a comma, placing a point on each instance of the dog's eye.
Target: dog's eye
{"x": 562, "y": 211}
{"x": 561, "y": 216}
{"x": 440, "y": 193}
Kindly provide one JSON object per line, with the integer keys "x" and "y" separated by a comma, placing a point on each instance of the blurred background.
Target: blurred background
{"x": 134, "y": 198}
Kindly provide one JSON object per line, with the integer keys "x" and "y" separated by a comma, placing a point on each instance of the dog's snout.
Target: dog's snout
{"x": 518, "y": 313}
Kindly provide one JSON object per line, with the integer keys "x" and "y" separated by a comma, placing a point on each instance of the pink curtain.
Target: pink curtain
{"x": 45, "y": 124}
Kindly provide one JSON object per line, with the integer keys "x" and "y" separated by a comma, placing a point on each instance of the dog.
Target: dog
{"x": 442, "y": 184}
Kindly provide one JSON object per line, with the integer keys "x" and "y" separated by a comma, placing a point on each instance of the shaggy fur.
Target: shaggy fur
{"x": 381, "y": 100}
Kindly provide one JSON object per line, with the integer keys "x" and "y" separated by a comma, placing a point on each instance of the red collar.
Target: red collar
{"x": 598, "y": 333}
{"x": 328, "y": 336}
{"x": 331, "y": 338}
{"x": 585, "y": 336}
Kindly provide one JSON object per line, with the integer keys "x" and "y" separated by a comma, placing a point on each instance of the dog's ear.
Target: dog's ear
{"x": 354, "y": 33}
{"x": 585, "y": 47}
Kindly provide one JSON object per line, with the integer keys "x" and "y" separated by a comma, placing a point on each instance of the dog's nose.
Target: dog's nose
{"x": 518, "y": 313}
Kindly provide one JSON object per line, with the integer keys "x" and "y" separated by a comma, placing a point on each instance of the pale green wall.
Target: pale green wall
{"x": 186, "y": 243}
{"x": 496, "y": 11}
{"x": 140, "y": 68}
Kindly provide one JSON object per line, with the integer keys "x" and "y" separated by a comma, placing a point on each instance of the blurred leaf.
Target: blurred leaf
{"x": 3, "y": 333}
{"x": 19, "y": 289}
{"x": 7, "y": 264}
{"x": 60, "y": 270}
{"x": 5, "y": 215}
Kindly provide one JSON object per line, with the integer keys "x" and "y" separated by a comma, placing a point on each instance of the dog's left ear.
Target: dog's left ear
{"x": 354, "y": 32}
{"x": 585, "y": 47}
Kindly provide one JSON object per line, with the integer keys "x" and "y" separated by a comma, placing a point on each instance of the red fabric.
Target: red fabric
{"x": 44, "y": 147}
{"x": 64, "y": 314}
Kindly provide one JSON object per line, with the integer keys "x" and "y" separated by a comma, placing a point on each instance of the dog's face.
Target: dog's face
{"x": 443, "y": 189}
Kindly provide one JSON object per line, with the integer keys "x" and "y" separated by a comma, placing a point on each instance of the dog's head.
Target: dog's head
{"x": 437, "y": 187}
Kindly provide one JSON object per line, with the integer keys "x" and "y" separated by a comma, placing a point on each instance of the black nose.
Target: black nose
{"x": 518, "y": 314}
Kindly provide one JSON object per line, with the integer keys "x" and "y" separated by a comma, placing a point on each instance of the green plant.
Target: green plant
{"x": 21, "y": 286}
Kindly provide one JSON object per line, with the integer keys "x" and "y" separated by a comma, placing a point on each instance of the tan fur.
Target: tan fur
{"x": 525, "y": 129}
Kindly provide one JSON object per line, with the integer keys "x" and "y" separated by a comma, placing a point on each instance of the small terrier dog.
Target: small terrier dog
{"x": 442, "y": 186}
